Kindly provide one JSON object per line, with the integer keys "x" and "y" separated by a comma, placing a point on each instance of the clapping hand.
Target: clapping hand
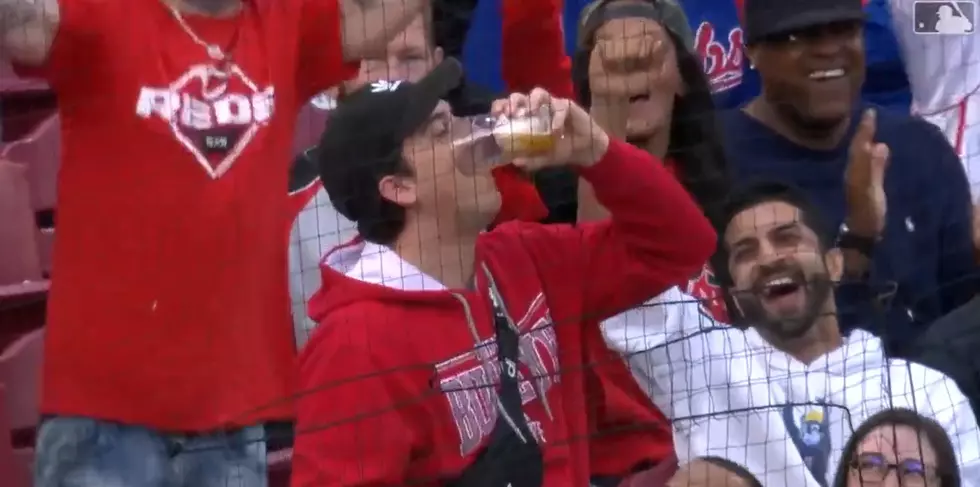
{"x": 864, "y": 180}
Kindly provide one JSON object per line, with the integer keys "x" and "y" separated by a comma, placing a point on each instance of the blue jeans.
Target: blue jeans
{"x": 83, "y": 452}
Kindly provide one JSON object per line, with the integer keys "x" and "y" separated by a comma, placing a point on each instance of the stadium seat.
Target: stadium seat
{"x": 309, "y": 126}
{"x": 23, "y": 289}
{"x": 41, "y": 152}
{"x": 15, "y": 466}
{"x": 19, "y": 261}
{"x": 20, "y": 374}
{"x": 10, "y": 83}
{"x": 280, "y": 466}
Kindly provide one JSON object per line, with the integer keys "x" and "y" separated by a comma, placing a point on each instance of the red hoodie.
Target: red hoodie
{"x": 398, "y": 389}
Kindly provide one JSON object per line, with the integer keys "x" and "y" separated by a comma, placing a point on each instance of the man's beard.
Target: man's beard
{"x": 818, "y": 291}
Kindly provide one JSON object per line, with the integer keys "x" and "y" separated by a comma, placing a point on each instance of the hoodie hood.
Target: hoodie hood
{"x": 361, "y": 270}
{"x": 860, "y": 352}
{"x": 376, "y": 264}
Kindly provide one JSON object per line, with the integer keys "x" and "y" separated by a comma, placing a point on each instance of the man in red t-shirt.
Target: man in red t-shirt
{"x": 168, "y": 341}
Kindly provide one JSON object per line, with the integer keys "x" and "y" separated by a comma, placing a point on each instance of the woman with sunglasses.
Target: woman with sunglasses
{"x": 898, "y": 447}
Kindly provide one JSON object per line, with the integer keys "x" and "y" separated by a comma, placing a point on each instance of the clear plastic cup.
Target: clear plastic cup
{"x": 483, "y": 141}
{"x": 474, "y": 146}
{"x": 525, "y": 136}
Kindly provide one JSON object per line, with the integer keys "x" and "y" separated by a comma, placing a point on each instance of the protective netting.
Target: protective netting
{"x": 706, "y": 369}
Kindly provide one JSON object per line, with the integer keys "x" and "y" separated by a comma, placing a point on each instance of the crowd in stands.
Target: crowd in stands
{"x": 531, "y": 243}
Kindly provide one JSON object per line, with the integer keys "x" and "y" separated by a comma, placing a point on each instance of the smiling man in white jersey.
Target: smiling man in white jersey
{"x": 168, "y": 342}
{"x": 782, "y": 397}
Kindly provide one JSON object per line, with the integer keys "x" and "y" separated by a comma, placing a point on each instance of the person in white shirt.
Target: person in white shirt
{"x": 950, "y": 23}
{"x": 782, "y": 397}
{"x": 944, "y": 73}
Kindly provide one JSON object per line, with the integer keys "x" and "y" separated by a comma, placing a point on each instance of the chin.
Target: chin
{"x": 825, "y": 118}
{"x": 793, "y": 326}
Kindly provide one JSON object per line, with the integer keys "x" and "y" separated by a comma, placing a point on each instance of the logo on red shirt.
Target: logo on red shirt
{"x": 214, "y": 114}
{"x": 469, "y": 381}
{"x": 722, "y": 61}
{"x": 705, "y": 288}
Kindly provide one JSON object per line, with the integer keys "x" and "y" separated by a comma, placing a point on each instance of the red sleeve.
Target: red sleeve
{"x": 321, "y": 56}
{"x": 656, "y": 236}
{"x": 353, "y": 426}
{"x": 300, "y": 198}
{"x": 533, "y": 48}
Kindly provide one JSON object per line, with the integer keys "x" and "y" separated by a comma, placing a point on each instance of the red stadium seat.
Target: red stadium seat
{"x": 309, "y": 126}
{"x": 20, "y": 373}
{"x": 19, "y": 261}
{"x": 10, "y": 83}
{"x": 15, "y": 470}
{"x": 22, "y": 286}
{"x": 280, "y": 466}
{"x": 41, "y": 152}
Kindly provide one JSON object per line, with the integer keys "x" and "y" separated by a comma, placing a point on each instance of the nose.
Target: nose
{"x": 826, "y": 44}
{"x": 768, "y": 252}
{"x": 891, "y": 480}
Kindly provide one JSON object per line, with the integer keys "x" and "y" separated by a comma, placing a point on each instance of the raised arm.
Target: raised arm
{"x": 533, "y": 47}
{"x": 28, "y": 28}
{"x": 335, "y": 35}
{"x": 368, "y": 25}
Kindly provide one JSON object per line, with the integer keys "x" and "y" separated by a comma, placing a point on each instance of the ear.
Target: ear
{"x": 437, "y": 55}
{"x": 834, "y": 260}
{"x": 400, "y": 190}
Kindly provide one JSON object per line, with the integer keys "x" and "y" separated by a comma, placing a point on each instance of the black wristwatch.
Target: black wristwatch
{"x": 849, "y": 240}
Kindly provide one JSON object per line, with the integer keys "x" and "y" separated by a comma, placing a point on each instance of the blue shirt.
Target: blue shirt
{"x": 719, "y": 43}
{"x": 927, "y": 246}
{"x": 886, "y": 83}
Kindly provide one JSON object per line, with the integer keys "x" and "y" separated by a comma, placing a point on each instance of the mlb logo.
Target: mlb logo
{"x": 944, "y": 18}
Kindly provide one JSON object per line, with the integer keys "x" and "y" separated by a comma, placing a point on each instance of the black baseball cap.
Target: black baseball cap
{"x": 765, "y": 18}
{"x": 363, "y": 138}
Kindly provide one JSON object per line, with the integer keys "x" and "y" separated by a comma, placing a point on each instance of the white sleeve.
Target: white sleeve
{"x": 942, "y": 69}
{"x": 670, "y": 317}
{"x": 936, "y": 396}
{"x": 672, "y": 346}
